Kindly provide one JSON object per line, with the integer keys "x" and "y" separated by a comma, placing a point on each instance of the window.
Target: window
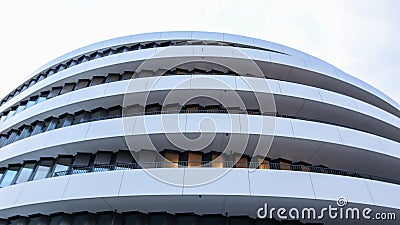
{"x": 24, "y": 87}
{"x": 97, "y": 80}
{"x": 86, "y": 218}
{"x": 32, "y": 101}
{"x": 37, "y": 127}
{"x": 2, "y": 171}
{"x": 51, "y": 72}
{"x": 127, "y": 75}
{"x": 80, "y": 117}
{"x": 21, "y": 107}
{"x": 108, "y": 218}
{"x": 13, "y": 134}
{"x": 9, "y": 175}
{"x": 98, "y": 113}
{"x": 26, "y": 132}
{"x": 112, "y": 78}
{"x": 51, "y": 123}
{"x": 25, "y": 172}
{"x": 54, "y": 92}
{"x": 172, "y": 158}
{"x": 64, "y": 163}
{"x": 122, "y": 159}
{"x": 41, "y": 77}
{"x": 82, "y": 84}
{"x": 194, "y": 159}
{"x": 102, "y": 161}
{"x": 42, "y": 97}
{"x": 32, "y": 82}
{"x": 61, "y": 219}
{"x": 65, "y": 120}
{"x": 81, "y": 162}
{"x": 67, "y": 88}
{"x": 72, "y": 62}
{"x": 43, "y": 169}
{"x": 3, "y": 117}
{"x": 153, "y": 108}
{"x": 115, "y": 111}
{"x": 11, "y": 113}
{"x": 3, "y": 138}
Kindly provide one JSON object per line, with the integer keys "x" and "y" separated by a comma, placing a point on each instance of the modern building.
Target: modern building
{"x": 194, "y": 128}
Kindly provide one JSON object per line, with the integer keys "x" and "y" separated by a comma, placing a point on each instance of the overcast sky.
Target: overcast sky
{"x": 360, "y": 37}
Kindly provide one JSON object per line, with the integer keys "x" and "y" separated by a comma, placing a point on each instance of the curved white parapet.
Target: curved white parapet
{"x": 300, "y": 61}
{"x": 290, "y": 99}
{"x": 293, "y": 139}
{"x": 131, "y": 190}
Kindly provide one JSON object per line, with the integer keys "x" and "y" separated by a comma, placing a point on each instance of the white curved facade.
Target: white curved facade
{"x": 118, "y": 130}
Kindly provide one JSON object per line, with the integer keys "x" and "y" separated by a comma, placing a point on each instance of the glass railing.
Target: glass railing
{"x": 222, "y": 164}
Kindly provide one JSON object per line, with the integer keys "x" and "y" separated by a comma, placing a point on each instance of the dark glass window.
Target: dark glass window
{"x": 43, "y": 169}
{"x": 26, "y": 132}
{"x": 81, "y": 117}
{"x": 54, "y": 92}
{"x": 115, "y": 111}
{"x": 2, "y": 171}
{"x": 37, "y": 127}
{"x": 102, "y": 161}
{"x": 63, "y": 163}
{"x": 21, "y": 107}
{"x": 123, "y": 157}
{"x": 9, "y": 176}
{"x": 62, "y": 219}
{"x": 112, "y": 78}
{"x": 73, "y": 62}
{"x": 3, "y": 138}
{"x": 42, "y": 97}
{"x": 11, "y": 113}
{"x": 84, "y": 219}
{"x": 82, "y": 84}
{"x": 13, "y": 134}
{"x": 103, "y": 158}
{"x": 32, "y": 82}
{"x": 39, "y": 220}
{"x": 24, "y": 87}
{"x": 25, "y": 172}
{"x": 97, "y": 80}
{"x": 65, "y": 120}
{"x": 41, "y": 77}
{"x": 127, "y": 75}
{"x": 109, "y": 218}
{"x": 67, "y": 88}
{"x": 51, "y": 123}
{"x": 19, "y": 221}
{"x": 3, "y": 117}
{"x": 32, "y": 101}
{"x": 81, "y": 162}
{"x": 98, "y": 113}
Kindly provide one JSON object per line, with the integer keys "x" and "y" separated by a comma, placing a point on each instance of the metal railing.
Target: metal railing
{"x": 221, "y": 164}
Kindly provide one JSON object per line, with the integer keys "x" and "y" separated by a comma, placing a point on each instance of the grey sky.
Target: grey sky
{"x": 360, "y": 37}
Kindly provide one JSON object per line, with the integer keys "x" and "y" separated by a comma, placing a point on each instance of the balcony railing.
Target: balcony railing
{"x": 221, "y": 164}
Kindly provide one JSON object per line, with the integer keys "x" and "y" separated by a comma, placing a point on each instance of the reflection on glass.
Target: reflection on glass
{"x": 43, "y": 169}
{"x": 63, "y": 164}
{"x": 9, "y": 176}
{"x": 25, "y": 173}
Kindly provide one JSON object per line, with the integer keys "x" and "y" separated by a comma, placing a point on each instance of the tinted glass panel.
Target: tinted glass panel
{"x": 26, "y": 172}
{"x": 9, "y": 176}
{"x": 63, "y": 164}
{"x": 43, "y": 169}
{"x": 61, "y": 220}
